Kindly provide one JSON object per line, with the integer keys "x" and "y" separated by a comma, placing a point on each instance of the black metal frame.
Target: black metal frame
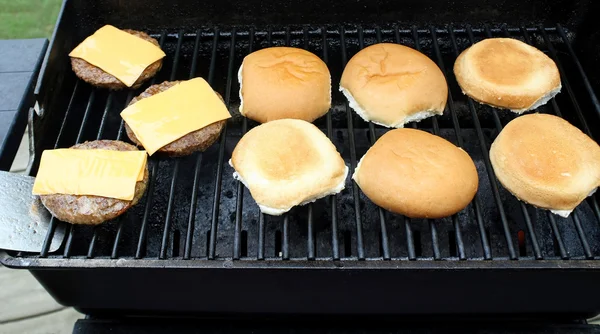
{"x": 519, "y": 264}
{"x": 512, "y": 253}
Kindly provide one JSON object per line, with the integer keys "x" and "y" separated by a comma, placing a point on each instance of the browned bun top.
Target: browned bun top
{"x": 545, "y": 161}
{"x": 417, "y": 174}
{"x": 284, "y": 82}
{"x": 507, "y": 73}
{"x": 391, "y": 84}
{"x": 288, "y": 162}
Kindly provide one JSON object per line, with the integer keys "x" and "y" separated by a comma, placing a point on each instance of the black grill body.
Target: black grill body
{"x": 197, "y": 244}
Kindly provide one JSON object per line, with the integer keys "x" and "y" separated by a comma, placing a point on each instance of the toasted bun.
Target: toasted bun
{"x": 545, "y": 161}
{"x": 288, "y": 162}
{"x": 391, "y": 85}
{"x": 507, "y": 73}
{"x": 283, "y": 82}
{"x": 417, "y": 174}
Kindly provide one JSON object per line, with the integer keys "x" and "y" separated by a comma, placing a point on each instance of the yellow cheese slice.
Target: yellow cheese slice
{"x": 119, "y": 53}
{"x": 167, "y": 116}
{"x": 90, "y": 172}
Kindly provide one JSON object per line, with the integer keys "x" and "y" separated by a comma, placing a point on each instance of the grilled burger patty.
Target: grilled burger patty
{"x": 99, "y": 78}
{"x": 198, "y": 140}
{"x": 93, "y": 210}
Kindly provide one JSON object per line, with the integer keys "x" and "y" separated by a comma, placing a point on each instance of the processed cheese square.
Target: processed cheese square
{"x": 104, "y": 173}
{"x": 167, "y": 116}
{"x": 118, "y": 53}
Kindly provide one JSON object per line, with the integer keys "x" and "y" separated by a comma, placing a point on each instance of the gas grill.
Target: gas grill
{"x": 197, "y": 244}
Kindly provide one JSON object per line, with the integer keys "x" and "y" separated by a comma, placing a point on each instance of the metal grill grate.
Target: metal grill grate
{"x": 193, "y": 209}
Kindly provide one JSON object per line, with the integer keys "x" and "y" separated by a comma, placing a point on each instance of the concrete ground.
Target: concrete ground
{"x": 25, "y": 307}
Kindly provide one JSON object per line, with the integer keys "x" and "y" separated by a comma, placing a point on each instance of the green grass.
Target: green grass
{"x": 28, "y": 18}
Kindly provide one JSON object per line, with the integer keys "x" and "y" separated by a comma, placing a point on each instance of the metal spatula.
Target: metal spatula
{"x": 24, "y": 220}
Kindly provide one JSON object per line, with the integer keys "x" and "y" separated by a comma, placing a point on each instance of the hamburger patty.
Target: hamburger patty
{"x": 198, "y": 140}
{"x": 99, "y": 78}
{"x": 93, "y": 210}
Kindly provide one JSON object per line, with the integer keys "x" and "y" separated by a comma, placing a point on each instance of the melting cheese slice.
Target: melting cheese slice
{"x": 90, "y": 172}
{"x": 119, "y": 53}
{"x": 167, "y": 116}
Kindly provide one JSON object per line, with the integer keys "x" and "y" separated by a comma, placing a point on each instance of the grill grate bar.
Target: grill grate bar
{"x": 434, "y": 240}
{"x": 373, "y": 138}
{"x": 436, "y": 130}
{"x": 565, "y": 81}
{"x": 285, "y": 224}
{"x": 261, "y": 218}
{"x": 410, "y": 244}
{"x": 450, "y": 105}
{"x": 151, "y": 178}
{"x": 359, "y": 233}
{"x": 581, "y": 234}
{"x": 239, "y": 204}
{"x": 122, "y": 125}
{"x": 53, "y": 221}
{"x": 189, "y": 238}
{"x": 333, "y": 198}
{"x": 559, "y": 241}
{"x": 528, "y": 223}
{"x": 522, "y": 205}
{"x": 219, "y": 175}
{"x": 586, "y": 81}
{"x": 143, "y": 230}
{"x": 310, "y": 234}
{"x": 261, "y": 237}
{"x": 69, "y": 243}
{"x": 586, "y": 128}
{"x": 167, "y": 229}
{"x": 115, "y": 248}
{"x": 240, "y": 187}
{"x": 285, "y": 251}
{"x": 109, "y": 100}
{"x": 486, "y": 159}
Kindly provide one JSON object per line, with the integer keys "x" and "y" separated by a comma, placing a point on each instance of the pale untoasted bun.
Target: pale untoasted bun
{"x": 288, "y": 162}
{"x": 284, "y": 82}
{"x": 545, "y": 161}
{"x": 417, "y": 174}
{"x": 507, "y": 73}
{"x": 391, "y": 85}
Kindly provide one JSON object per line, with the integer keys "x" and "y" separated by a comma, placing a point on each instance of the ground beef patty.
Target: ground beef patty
{"x": 97, "y": 77}
{"x": 198, "y": 140}
{"x": 93, "y": 210}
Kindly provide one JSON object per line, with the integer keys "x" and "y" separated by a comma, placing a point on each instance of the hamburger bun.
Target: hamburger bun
{"x": 547, "y": 162}
{"x": 284, "y": 82}
{"x": 94, "y": 210}
{"x": 194, "y": 141}
{"x": 417, "y": 174}
{"x": 391, "y": 85}
{"x": 507, "y": 73}
{"x": 98, "y": 77}
{"x": 288, "y": 162}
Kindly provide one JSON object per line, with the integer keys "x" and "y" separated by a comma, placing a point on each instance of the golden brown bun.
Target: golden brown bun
{"x": 288, "y": 162}
{"x": 391, "y": 85}
{"x": 507, "y": 73}
{"x": 417, "y": 174}
{"x": 545, "y": 161}
{"x": 283, "y": 82}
